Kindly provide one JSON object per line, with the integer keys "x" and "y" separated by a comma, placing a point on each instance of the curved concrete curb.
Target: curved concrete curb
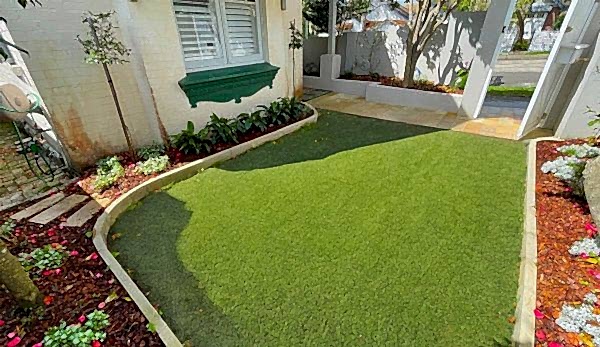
{"x": 117, "y": 207}
{"x": 524, "y": 332}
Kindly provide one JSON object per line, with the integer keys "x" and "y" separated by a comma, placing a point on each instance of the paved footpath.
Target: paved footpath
{"x": 56, "y": 205}
{"x": 17, "y": 182}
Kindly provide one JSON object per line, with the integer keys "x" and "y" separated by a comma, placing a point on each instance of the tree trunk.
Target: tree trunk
{"x": 521, "y": 24}
{"x": 14, "y": 277}
{"x": 408, "y": 81}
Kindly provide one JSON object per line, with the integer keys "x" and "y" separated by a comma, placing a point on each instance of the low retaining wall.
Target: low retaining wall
{"x": 375, "y": 92}
{"x": 414, "y": 98}
{"x": 114, "y": 210}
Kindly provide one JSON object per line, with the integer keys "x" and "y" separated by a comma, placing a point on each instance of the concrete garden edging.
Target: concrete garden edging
{"x": 117, "y": 207}
{"x": 524, "y": 331}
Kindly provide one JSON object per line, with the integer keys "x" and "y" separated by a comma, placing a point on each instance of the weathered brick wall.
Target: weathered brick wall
{"x": 76, "y": 93}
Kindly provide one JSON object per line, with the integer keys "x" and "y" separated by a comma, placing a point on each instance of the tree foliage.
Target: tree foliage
{"x": 317, "y": 11}
{"x": 522, "y": 9}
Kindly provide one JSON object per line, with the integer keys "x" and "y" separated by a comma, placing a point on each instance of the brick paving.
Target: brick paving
{"x": 17, "y": 182}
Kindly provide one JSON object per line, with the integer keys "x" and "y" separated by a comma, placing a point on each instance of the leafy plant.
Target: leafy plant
{"x": 595, "y": 122}
{"x": 283, "y": 110}
{"x": 78, "y": 335}
{"x": 153, "y": 165}
{"x": 152, "y": 151}
{"x": 48, "y": 257}
{"x": 461, "y": 78}
{"x": 6, "y": 230}
{"x": 108, "y": 172}
{"x": 190, "y": 142}
{"x": 108, "y": 50}
{"x": 224, "y": 129}
{"x": 252, "y": 121}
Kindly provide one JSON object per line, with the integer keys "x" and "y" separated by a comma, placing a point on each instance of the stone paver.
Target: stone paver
{"x": 495, "y": 125}
{"x": 38, "y": 207}
{"x": 59, "y": 209}
{"x": 83, "y": 215}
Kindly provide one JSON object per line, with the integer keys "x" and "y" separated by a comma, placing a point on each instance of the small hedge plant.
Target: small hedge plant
{"x": 152, "y": 151}
{"x": 153, "y": 165}
{"x": 109, "y": 171}
{"x": 78, "y": 335}
{"x": 223, "y": 130}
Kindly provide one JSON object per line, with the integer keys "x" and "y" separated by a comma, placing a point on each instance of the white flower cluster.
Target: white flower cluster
{"x": 586, "y": 246}
{"x": 565, "y": 168}
{"x": 580, "y": 151}
{"x": 581, "y": 319}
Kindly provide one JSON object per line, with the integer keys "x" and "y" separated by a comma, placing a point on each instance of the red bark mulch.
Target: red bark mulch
{"x": 562, "y": 278}
{"x": 83, "y": 285}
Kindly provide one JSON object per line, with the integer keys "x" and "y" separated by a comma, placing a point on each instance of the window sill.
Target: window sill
{"x": 232, "y": 83}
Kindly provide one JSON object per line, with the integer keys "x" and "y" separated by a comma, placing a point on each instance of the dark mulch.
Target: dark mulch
{"x": 562, "y": 278}
{"x": 397, "y": 82}
{"x": 83, "y": 284}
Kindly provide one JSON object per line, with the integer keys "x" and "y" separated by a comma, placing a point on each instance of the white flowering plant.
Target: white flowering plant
{"x": 581, "y": 319}
{"x": 569, "y": 170}
{"x": 580, "y": 151}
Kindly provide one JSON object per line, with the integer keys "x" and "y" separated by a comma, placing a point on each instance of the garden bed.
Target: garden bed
{"x": 177, "y": 158}
{"x": 422, "y": 85}
{"x": 80, "y": 286}
{"x": 563, "y": 219}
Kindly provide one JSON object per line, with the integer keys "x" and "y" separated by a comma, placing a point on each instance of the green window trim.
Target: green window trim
{"x": 232, "y": 83}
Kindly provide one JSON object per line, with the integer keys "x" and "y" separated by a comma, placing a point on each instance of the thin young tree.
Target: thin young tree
{"x": 103, "y": 47}
{"x": 522, "y": 9}
{"x": 430, "y": 16}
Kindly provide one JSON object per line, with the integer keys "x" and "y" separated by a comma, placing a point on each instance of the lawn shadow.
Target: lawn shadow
{"x": 334, "y": 132}
{"x": 149, "y": 246}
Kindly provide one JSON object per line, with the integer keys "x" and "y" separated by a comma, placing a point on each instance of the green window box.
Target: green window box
{"x": 232, "y": 83}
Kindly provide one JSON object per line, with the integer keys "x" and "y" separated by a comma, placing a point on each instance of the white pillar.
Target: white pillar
{"x": 332, "y": 23}
{"x": 496, "y": 21}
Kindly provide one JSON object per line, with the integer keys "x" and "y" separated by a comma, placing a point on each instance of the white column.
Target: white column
{"x": 497, "y": 19}
{"x": 332, "y": 23}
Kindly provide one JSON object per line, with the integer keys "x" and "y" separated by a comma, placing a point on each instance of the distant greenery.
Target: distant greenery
{"x": 511, "y": 91}
{"x": 317, "y": 11}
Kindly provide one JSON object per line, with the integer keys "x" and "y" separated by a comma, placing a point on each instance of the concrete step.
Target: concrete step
{"x": 38, "y": 207}
{"x": 83, "y": 215}
{"x": 59, "y": 209}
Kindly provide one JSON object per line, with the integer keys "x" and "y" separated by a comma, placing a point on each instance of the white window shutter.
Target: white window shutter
{"x": 242, "y": 29}
{"x": 197, "y": 24}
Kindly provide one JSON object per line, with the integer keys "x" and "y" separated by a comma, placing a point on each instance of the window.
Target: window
{"x": 219, "y": 33}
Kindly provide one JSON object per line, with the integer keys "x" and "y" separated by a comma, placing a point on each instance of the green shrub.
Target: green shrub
{"x": 109, "y": 171}
{"x": 153, "y": 151}
{"x": 78, "y": 335}
{"x": 153, "y": 165}
{"x": 190, "y": 142}
{"x": 521, "y": 45}
{"x": 252, "y": 121}
{"x": 283, "y": 110}
{"x": 48, "y": 257}
{"x": 223, "y": 129}
{"x": 6, "y": 229}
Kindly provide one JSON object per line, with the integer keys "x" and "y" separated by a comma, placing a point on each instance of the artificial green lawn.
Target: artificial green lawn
{"x": 521, "y": 91}
{"x": 352, "y": 232}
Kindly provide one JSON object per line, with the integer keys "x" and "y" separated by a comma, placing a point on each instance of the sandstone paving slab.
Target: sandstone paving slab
{"x": 38, "y": 207}
{"x": 59, "y": 209}
{"x": 83, "y": 215}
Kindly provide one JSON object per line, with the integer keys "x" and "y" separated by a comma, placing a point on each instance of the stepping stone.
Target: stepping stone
{"x": 38, "y": 207}
{"x": 82, "y": 215}
{"x": 59, "y": 209}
